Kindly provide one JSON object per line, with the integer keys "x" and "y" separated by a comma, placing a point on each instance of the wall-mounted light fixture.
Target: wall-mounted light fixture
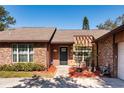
{"x": 54, "y": 50}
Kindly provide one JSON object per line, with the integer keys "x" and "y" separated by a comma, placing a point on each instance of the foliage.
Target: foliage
{"x": 108, "y": 25}
{"x": 73, "y": 72}
{"x": 85, "y": 24}
{"x": 50, "y": 72}
{"x": 111, "y": 24}
{"x": 120, "y": 20}
{"x": 52, "y": 69}
{"x": 6, "y": 68}
{"x": 5, "y": 19}
{"x": 22, "y": 67}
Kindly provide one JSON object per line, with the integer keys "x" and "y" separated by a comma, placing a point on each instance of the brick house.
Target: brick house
{"x": 60, "y": 47}
{"x": 110, "y": 51}
{"x": 65, "y": 40}
{"x": 41, "y": 45}
{"x": 25, "y": 45}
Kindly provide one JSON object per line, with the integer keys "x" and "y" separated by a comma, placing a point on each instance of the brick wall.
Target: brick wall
{"x": 105, "y": 52}
{"x": 55, "y": 54}
{"x": 5, "y": 53}
{"x": 40, "y": 53}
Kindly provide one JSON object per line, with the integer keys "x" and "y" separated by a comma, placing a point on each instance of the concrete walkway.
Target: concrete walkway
{"x": 61, "y": 82}
{"x": 62, "y": 71}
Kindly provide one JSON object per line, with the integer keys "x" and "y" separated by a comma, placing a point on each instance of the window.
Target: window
{"x": 22, "y": 52}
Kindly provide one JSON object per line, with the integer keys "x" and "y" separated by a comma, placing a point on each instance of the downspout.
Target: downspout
{"x": 48, "y": 48}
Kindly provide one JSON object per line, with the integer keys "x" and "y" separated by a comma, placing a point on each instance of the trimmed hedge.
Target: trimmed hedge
{"x": 22, "y": 67}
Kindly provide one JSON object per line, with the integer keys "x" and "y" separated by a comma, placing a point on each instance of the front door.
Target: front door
{"x": 63, "y": 55}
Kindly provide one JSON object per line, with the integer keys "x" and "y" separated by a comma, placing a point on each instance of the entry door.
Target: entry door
{"x": 63, "y": 55}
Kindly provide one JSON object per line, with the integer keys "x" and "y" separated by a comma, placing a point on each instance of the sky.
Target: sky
{"x": 62, "y": 17}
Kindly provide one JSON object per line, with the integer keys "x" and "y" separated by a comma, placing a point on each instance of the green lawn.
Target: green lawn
{"x": 12, "y": 74}
{"x": 50, "y": 75}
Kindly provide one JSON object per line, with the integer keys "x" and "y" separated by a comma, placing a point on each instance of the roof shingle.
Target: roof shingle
{"x": 45, "y": 34}
{"x": 66, "y": 36}
{"x": 27, "y": 35}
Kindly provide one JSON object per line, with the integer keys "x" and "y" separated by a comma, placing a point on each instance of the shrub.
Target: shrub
{"x": 22, "y": 67}
{"x": 85, "y": 73}
{"x": 52, "y": 69}
{"x": 37, "y": 67}
{"x": 79, "y": 69}
{"x": 6, "y": 68}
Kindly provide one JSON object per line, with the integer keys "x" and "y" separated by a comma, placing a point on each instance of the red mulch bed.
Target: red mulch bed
{"x": 85, "y": 73}
{"x": 50, "y": 70}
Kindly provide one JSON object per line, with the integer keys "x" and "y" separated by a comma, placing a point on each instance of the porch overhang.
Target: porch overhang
{"x": 83, "y": 40}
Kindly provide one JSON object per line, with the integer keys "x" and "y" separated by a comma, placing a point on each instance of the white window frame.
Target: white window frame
{"x": 17, "y": 52}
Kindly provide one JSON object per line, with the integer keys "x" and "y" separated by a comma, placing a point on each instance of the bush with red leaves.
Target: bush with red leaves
{"x": 52, "y": 68}
{"x": 85, "y": 73}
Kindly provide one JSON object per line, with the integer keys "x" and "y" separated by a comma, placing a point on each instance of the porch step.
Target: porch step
{"x": 62, "y": 71}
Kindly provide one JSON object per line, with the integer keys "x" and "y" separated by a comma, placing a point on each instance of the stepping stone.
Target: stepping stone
{"x": 62, "y": 71}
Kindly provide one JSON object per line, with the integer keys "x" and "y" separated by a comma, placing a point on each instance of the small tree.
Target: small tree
{"x": 120, "y": 20}
{"x": 111, "y": 24}
{"x": 108, "y": 25}
{"x": 5, "y": 19}
{"x": 85, "y": 24}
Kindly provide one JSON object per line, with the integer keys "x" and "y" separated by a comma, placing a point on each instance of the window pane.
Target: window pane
{"x": 14, "y": 58}
{"x": 23, "y": 58}
{"x": 23, "y": 52}
{"x": 30, "y": 48}
{"x": 14, "y": 48}
{"x": 31, "y": 58}
{"x": 14, "y": 52}
{"x": 22, "y": 48}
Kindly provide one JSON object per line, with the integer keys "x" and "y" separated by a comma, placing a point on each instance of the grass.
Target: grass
{"x": 47, "y": 75}
{"x": 12, "y": 74}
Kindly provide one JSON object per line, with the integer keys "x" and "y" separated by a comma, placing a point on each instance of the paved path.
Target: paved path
{"x": 62, "y": 71}
{"x": 61, "y": 82}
